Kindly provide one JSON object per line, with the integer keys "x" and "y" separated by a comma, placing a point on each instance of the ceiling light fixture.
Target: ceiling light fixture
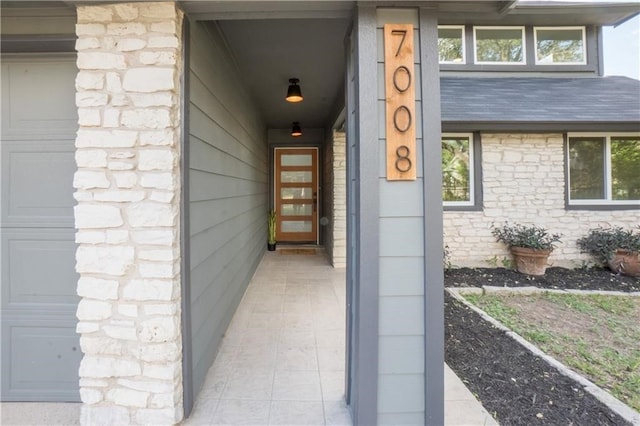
{"x": 296, "y": 130}
{"x": 294, "y": 94}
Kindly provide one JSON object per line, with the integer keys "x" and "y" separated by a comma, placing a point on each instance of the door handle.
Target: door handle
{"x": 315, "y": 201}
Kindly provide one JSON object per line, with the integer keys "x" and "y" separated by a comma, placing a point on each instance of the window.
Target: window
{"x": 457, "y": 170}
{"x": 451, "y": 49}
{"x": 561, "y": 45}
{"x": 499, "y": 45}
{"x": 604, "y": 169}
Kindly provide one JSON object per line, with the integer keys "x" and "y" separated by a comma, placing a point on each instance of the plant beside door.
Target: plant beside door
{"x": 271, "y": 222}
{"x": 529, "y": 245}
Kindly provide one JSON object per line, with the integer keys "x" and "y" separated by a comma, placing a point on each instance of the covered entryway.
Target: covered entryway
{"x": 40, "y": 348}
{"x": 242, "y": 161}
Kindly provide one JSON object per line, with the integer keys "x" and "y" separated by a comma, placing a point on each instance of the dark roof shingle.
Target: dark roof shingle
{"x": 540, "y": 100}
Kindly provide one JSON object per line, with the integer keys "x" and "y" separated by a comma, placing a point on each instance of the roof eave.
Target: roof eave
{"x": 595, "y": 13}
{"x": 540, "y": 126}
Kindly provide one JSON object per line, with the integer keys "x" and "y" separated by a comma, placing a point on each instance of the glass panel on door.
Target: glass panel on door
{"x": 296, "y": 160}
{"x": 296, "y": 193}
{"x": 294, "y": 177}
{"x": 296, "y": 226}
{"x": 296, "y": 210}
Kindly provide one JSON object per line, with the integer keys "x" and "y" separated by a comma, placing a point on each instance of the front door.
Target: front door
{"x": 296, "y": 194}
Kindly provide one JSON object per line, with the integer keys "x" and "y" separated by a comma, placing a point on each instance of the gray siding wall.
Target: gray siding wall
{"x": 228, "y": 192}
{"x": 401, "y": 380}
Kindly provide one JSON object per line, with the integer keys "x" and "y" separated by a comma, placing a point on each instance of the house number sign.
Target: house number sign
{"x": 400, "y": 102}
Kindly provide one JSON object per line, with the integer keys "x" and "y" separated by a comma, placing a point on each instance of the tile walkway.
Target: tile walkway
{"x": 282, "y": 359}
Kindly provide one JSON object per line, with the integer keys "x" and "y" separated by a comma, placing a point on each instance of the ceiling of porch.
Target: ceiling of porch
{"x": 270, "y": 52}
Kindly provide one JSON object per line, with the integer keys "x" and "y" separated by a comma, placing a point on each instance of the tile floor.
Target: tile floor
{"x": 282, "y": 360}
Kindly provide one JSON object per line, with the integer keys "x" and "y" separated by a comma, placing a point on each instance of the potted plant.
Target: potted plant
{"x": 614, "y": 246}
{"x": 271, "y": 221}
{"x": 529, "y": 245}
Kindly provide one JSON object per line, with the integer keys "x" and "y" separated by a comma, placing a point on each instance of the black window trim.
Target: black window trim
{"x": 606, "y": 205}
{"x": 476, "y": 173}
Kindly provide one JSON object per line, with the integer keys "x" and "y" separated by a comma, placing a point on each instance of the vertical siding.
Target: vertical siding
{"x": 228, "y": 186}
{"x": 401, "y": 229}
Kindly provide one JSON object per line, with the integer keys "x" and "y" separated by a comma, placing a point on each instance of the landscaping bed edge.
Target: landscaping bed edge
{"x": 614, "y": 404}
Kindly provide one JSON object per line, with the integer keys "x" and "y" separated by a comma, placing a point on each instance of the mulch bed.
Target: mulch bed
{"x": 515, "y": 386}
{"x": 554, "y": 278}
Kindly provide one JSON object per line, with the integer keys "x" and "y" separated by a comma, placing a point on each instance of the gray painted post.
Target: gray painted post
{"x": 433, "y": 270}
{"x": 364, "y": 398}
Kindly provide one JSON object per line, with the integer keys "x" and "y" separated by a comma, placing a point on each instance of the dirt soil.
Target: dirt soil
{"x": 515, "y": 386}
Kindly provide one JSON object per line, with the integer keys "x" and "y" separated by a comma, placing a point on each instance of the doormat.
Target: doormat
{"x": 302, "y": 251}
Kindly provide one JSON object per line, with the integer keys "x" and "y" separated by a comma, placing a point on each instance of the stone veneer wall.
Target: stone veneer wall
{"x": 127, "y": 216}
{"x": 524, "y": 182}
{"x": 335, "y": 205}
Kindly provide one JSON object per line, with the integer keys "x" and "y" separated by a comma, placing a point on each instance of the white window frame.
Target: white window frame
{"x": 584, "y": 45}
{"x": 608, "y": 201}
{"x": 464, "y": 44}
{"x": 522, "y": 38}
{"x": 472, "y": 170}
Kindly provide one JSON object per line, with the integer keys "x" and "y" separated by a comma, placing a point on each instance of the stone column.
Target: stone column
{"x": 127, "y": 216}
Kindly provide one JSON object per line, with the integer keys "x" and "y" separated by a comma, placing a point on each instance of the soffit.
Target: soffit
{"x": 269, "y": 52}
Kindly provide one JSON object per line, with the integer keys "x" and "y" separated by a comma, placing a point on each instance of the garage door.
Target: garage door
{"x": 40, "y": 349}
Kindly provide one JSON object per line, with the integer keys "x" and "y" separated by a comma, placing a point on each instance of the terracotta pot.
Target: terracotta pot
{"x": 530, "y": 261}
{"x": 625, "y": 262}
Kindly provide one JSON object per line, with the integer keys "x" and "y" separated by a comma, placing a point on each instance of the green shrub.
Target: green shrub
{"x": 533, "y": 237}
{"x": 602, "y": 242}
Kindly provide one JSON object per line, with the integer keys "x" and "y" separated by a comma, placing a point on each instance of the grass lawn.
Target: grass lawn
{"x": 598, "y": 336}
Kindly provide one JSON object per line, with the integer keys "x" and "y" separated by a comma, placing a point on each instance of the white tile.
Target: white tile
{"x": 269, "y": 306}
{"x": 297, "y": 413}
{"x": 249, "y": 383}
{"x": 297, "y": 321}
{"x": 258, "y": 337}
{"x": 215, "y": 382}
{"x": 202, "y": 412}
{"x": 336, "y": 413}
{"x": 297, "y": 358}
{"x": 329, "y": 320}
{"x": 265, "y": 321}
{"x": 296, "y": 386}
{"x": 331, "y": 338}
{"x": 241, "y": 412}
{"x": 293, "y": 337}
{"x": 332, "y": 384}
{"x": 255, "y": 359}
{"x": 331, "y": 358}
{"x": 296, "y": 307}
{"x": 297, "y": 288}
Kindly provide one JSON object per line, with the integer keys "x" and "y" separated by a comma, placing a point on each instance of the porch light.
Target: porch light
{"x": 294, "y": 94}
{"x": 296, "y": 130}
